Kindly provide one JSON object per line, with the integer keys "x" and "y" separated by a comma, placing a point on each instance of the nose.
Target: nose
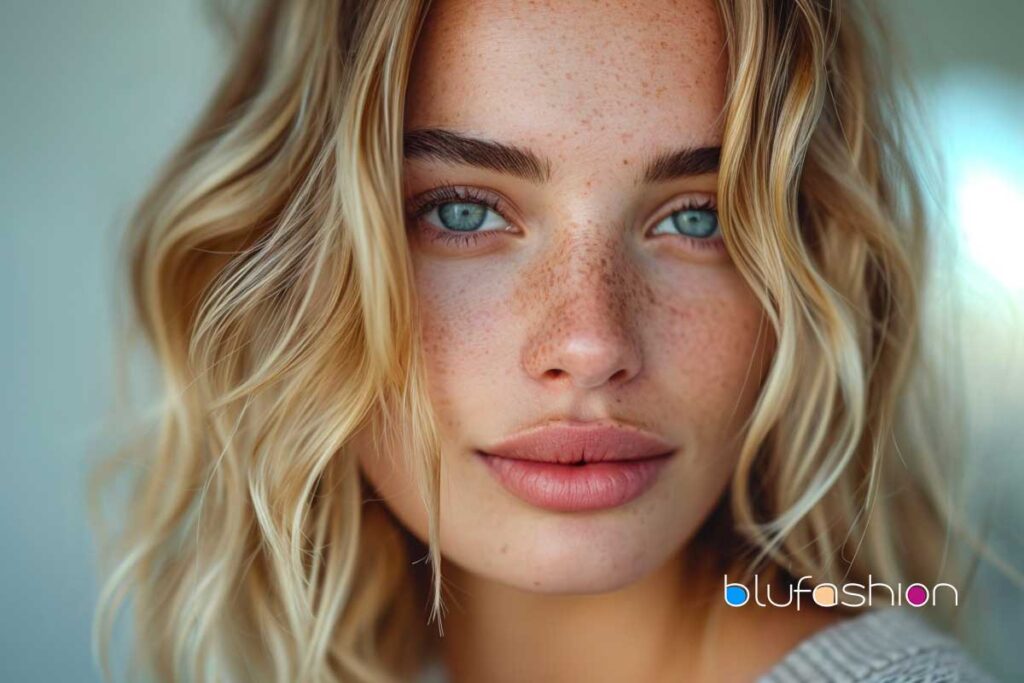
{"x": 585, "y": 333}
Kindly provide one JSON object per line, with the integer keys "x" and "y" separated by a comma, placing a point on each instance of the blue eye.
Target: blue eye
{"x": 465, "y": 216}
{"x": 696, "y": 222}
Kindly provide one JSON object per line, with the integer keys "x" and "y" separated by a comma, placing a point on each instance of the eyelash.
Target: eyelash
{"x": 452, "y": 193}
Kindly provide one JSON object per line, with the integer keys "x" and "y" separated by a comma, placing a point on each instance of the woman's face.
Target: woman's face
{"x": 569, "y": 279}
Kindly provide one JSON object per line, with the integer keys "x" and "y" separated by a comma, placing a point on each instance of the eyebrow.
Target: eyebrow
{"x": 682, "y": 163}
{"x": 439, "y": 144}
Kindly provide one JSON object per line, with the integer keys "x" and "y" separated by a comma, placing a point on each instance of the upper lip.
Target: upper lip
{"x": 574, "y": 442}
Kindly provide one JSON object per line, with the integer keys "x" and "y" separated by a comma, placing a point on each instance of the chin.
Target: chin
{"x": 586, "y": 573}
{"x": 563, "y": 554}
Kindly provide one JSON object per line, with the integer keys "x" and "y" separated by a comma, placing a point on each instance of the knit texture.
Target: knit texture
{"x": 882, "y": 645}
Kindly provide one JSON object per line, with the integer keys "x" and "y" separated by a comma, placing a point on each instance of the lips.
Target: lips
{"x": 568, "y": 443}
{"x": 574, "y": 467}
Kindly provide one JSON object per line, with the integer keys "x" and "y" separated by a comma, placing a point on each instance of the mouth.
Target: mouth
{"x": 578, "y": 486}
{"x": 577, "y": 467}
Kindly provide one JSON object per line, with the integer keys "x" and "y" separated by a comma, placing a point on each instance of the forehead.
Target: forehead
{"x": 571, "y": 73}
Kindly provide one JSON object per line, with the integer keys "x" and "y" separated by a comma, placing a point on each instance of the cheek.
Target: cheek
{"x": 465, "y": 332}
{"x": 393, "y": 480}
{"x": 711, "y": 350}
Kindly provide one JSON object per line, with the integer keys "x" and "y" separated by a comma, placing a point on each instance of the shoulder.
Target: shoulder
{"x": 884, "y": 644}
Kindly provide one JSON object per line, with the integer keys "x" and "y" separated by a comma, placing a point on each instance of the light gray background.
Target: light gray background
{"x": 95, "y": 94}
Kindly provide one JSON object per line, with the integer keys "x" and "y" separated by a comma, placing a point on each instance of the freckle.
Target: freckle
{"x": 504, "y": 549}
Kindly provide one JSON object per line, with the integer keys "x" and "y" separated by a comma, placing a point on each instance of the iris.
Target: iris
{"x": 695, "y": 222}
{"x": 462, "y": 216}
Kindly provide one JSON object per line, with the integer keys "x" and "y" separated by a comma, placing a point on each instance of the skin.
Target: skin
{"x": 577, "y": 311}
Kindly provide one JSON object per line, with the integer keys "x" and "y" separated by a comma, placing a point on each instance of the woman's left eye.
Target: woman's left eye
{"x": 465, "y": 216}
{"x": 698, "y": 223}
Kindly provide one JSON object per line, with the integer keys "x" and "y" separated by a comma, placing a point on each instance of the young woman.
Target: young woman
{"x": 592, "y": 327}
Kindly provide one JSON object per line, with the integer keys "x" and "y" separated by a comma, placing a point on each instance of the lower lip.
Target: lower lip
{"x": 576, "y": 488}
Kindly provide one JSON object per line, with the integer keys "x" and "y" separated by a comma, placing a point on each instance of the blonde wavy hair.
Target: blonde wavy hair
{"x": 270, "y": 277}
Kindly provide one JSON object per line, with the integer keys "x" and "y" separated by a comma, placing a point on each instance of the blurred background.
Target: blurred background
{"x": 95, "y": 95}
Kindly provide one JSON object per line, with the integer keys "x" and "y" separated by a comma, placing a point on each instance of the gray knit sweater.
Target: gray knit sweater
{"x": 889, "y": 644}
{"x": 883, "y": 645}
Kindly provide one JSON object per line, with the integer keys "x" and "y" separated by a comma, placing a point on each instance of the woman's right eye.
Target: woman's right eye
{"x": 464, "y": 216}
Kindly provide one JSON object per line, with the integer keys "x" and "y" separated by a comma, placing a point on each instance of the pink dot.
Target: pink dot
{"x": 917, "y": 595}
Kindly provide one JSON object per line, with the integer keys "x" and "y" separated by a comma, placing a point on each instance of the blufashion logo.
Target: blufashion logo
{"x": 847, "y": 594}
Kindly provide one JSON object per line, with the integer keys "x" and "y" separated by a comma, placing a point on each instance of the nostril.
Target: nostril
{"x": 589, "y": 363}
{"x": 619, "y": 375}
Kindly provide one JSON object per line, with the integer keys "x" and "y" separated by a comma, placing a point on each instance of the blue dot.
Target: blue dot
{"x": 736, "y": 595}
